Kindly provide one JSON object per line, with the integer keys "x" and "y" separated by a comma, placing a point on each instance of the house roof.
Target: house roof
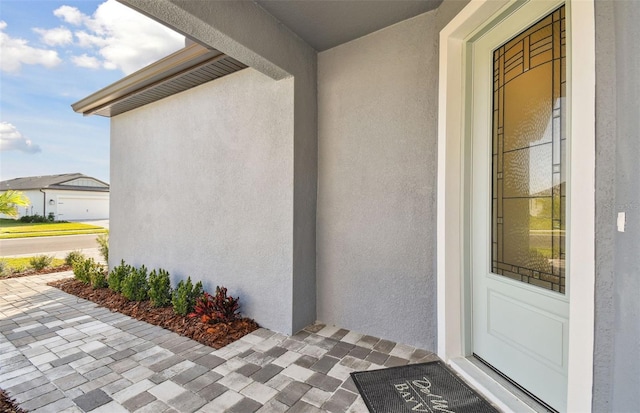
{"x": 73, "y": 182}
{"x": 188, "y": 67}
{"x": 321, "y": 24}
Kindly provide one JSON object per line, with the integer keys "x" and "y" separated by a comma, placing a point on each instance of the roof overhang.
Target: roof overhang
{"x": 324, "y": 24}
{"x": 320, "y": 23}
{"x": 74, "y": 188}
{"x": 187, "y": 68}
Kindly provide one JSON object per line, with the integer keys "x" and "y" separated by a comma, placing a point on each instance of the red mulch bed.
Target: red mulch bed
{"x": 213, "y": 335}
{"x": 7, "y": 405}
{"x": 31, "y": 271}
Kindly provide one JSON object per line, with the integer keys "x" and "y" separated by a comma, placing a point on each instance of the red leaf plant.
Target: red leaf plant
{"x": 217, "y": 309}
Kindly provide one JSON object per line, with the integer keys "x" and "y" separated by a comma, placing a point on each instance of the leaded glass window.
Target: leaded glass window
{"x": 529, "y": 155}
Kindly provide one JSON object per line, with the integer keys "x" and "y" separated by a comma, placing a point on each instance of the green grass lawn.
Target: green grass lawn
{"x": 10, "y": 228}
{"x": 21, "y": 264}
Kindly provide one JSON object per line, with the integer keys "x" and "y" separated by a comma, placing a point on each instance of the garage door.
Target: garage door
{"x": 79, "y": 208}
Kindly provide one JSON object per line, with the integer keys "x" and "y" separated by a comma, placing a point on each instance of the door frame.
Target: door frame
{"x": 453, "y": 244}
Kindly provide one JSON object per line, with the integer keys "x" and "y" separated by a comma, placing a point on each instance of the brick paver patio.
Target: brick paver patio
{"x": 59, "y": 353}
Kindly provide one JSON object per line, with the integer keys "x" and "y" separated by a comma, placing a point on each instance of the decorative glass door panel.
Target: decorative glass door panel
{"x": 528, "y": 166}
{"x": 517, "y": 138}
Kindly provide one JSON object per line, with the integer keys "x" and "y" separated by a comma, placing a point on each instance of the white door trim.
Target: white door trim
{"x": 452, "y": 245}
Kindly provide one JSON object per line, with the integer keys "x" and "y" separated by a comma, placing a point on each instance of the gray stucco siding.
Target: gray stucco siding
{"x": 627, "y": 245}
{"x": 377, "y": 110}
{"x": 202, "y": 186}
{"x": 617, "y": 322}
{"x": 268, "y": 46}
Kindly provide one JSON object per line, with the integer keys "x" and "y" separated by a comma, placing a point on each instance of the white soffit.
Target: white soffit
{"x": 324, "y": 24}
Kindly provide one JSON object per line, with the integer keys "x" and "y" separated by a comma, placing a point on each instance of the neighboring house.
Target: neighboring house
{"x": 69, "y": 197}
{"x": 376, "y": 166}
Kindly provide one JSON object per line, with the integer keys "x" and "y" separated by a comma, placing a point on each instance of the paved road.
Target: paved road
{"x": 39, "y": 245}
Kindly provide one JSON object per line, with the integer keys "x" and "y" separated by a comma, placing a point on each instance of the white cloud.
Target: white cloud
{"x": 115, "y": 37}
{"x": 120, "y": 37}
{"x": 55, "y": 37}
{"x": 16, "y": 52}
{"x": 88, "y": 41}
{"x": 70, "y": 15}
{"x": 12, "y": 140}
{"x": 90, "y": 62}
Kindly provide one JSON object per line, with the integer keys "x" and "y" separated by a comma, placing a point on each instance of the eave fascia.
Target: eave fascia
{"x": 146, "y": 77}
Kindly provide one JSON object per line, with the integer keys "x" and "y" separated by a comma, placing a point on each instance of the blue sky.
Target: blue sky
{"x": 52, "y": 54}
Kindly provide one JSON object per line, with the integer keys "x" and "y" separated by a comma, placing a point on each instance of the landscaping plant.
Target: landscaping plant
{"x": 10, "y": 201}
{"x": 34, "y": 219}
{"x": 80, "y": 272}
{"x": 4, "y": 268}
{"x": 135, "y": 286}
{"x": 118, "y": 274}
{"x": 213, "y": 335}
{"x": 16, "y": 269}
{"x": 40, "y": 262}
{"x": 103, "y": 246}
{"x": 185, "y": 296}
{"x": 73, "y": 256}
{"x": 98, "y": 279}
{"x": 220, "y": 308}
{"x": 198, "y": 291}
{"x": 87, "y": 270}
{"x": 204, "y": 308}
{"x": 159, "y": 288}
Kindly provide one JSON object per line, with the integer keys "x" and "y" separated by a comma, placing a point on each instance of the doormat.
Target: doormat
{"x": 426, "y": 387}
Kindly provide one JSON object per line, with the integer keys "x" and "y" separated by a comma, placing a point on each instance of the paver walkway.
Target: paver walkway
{"x": 60, "y": 353}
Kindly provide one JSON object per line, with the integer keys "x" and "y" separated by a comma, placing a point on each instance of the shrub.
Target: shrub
{"x": 118, "y": 274}
{"x": 227, "y": 307}
{"x": 17, "y": 268}
{"x": 34, "y": 219}
{"x": 73, "y": 256}
{"x": 103, "y": 246}
{"x": 198, "y": 292}
{"x": 5, "y": 269}
{"x": 87, "y": 269}
{"x": 180, "y": 297}
{"x": 98, "y": 279}
{"x": 204, "y": 308}
{"x": 135, "y": 286}
{"x": 159, "y": 288}
{"x": 185, "y": 295}
{"x": 40, "y": 262}
{"x": 217, "y": 309}
{"x": 79, "y": 271}
{"x": 37, "y": 219}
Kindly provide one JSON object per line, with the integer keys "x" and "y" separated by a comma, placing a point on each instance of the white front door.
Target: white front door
{"x": 518, "y": 198}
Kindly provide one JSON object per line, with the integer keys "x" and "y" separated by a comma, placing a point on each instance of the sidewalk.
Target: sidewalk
{"x": 61, "y": 353}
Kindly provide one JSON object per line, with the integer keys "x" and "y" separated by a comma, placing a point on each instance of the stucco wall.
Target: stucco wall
{"x": 201, "y": 185}
{"x": 605, "y": 206}
{"x": 617, "y": 333}
{"x": 377, "y": 131}
{"x": 268, "y": 46}
{"x": 626, "y": 375}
